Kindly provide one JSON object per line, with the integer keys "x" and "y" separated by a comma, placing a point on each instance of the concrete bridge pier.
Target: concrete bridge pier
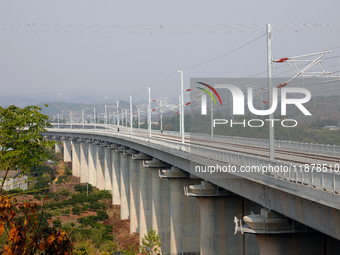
{"x": 129, "y": 153}
{"x": 75, "y": 157}
{"x": 136, "y": 162}
{"x": 124, "y": 184}
{"x": 83, "y": 152}
{"x": 93, "y": 173}
{"x": 134, "y": 193}
{"x": 58, "y": 147}
{"x": 91, "y": 162}
{"x": 218, "y": 208}
{"x": 145, "y": 201}
{"x": 277, "y": 235}
{"x": 115, "y": 166}
{"x": 67, "y": 149}
{"x": 100, "y": 158}
{"x": 184, "y": 214}
{"x": 160, "y": 205}
{"x": 107, "y": 167}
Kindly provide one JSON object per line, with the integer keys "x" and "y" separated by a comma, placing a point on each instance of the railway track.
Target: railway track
{"x": 254, "y": 150}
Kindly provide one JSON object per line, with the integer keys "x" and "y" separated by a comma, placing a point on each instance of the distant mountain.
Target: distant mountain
{"x": 76, "y": 108}
{"x": 63, "y": 102}
{"x": 20, "y": 101}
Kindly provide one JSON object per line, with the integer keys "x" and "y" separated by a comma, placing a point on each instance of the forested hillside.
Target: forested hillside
{"x": 86, "y": 213}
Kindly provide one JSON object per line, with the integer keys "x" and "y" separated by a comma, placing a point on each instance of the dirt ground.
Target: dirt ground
{"x": 121, "y": 229}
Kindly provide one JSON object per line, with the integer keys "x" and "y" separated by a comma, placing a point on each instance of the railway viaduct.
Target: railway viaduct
{"x": 160, "y": 183}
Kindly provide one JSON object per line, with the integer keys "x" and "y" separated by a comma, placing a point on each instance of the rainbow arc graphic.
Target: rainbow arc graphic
{"x": 204, "y": 98}
{"x": 209, "y": 93}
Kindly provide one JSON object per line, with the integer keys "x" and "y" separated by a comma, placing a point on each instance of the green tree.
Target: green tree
{"x": 83, "y": 188}
{"x": 21, "y": 143}
{"x": 101, "y": 215}
{"x": 67, "y": 212}
{"x": 41, "y": 185}
{"x": 76, "y": 210}
{"x": 151, "y": 243}
{"x": 57, "y": 223}
{"x": 65, "y": 192}
{"x": 61, "y": 180}
{"x": 23, "y": 147}
{"x": 40, "y": 170}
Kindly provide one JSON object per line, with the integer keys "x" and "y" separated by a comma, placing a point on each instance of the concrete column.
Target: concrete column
{"x": 128, "y": 153}
{"x": 107, "y": 168}
{"x": 134, "y": 179}
{"x": 96, "y": 145}
{"x": 145, "y": 201}
{"x": 251, "y": 245}
{"x": 218, "y": 209}
{"x": 91, "y": 163}
{"x": 115, "y": 165}
{"x": 134, "y": 195}
{"x": 83, "y": 161}
{"x": 277, "y": 235}
{"x": 160, "y": 205}
{"x": 100, "y": 158}
{"x": 75, "y": 157}
{"x": 184, "y": 214}
{"x": 124, "y": 185}
{"x": 58, "y": 147}
{"x": 67, "y": 150}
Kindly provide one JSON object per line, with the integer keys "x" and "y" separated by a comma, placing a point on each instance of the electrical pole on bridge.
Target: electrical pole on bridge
{"x": 270, "y": 89}
{"x": 149, "y": 112}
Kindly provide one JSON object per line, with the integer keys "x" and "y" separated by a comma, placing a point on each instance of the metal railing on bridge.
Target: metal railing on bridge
{"x": 279, "y": 144}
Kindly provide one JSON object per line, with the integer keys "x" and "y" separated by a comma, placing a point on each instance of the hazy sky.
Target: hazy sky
{"x": 116, "y": 48}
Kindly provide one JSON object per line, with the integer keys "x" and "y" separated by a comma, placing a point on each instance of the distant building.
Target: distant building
{"x": 14, "y": 180}
{"x": 331, "y": 127}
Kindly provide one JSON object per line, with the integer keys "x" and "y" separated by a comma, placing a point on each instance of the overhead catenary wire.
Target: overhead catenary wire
{"x": 156, "y": 83}
{"x": 206, "y": 62}
{"x": 225, "y": 54}
{"x": 37, "y": 27}
{"x": 141, "y": 28}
